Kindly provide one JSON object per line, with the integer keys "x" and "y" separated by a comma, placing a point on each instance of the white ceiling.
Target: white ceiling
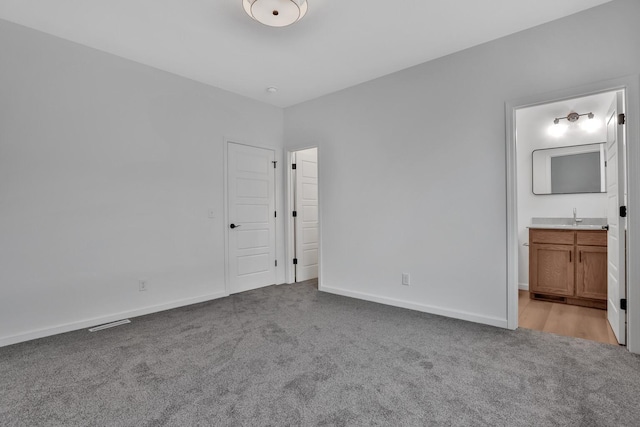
{"x": 338, "y": 44}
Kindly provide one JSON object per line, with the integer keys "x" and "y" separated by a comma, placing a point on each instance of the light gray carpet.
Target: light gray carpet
{"x": 289, "y": 355}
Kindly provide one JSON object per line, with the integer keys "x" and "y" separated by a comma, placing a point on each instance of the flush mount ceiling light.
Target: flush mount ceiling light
{"x": 276, "y": 13}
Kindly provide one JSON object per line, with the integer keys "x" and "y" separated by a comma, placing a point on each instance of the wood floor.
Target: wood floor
{"x": 564, "y": 319}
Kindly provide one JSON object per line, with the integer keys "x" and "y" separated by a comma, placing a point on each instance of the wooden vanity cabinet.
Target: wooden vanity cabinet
{"x": 591, "y": 272}
{"x": 551, "y": 269}
{"x": 568, "y": 266}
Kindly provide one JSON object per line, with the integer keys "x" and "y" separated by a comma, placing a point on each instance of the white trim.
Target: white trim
{"x": 225, "y": 211}
{"x": 523, "y": 286}
{"x": 512, "y": 218}
{"x": 440, "y": 311}
{"x": 631, "y": 86}
{"x": 288, "y": 200}
{"x": 320, "y": 209}
{"x": 632, "y": 111}
{"x": 289, "y": 243}
{"x": 87, "y": 323}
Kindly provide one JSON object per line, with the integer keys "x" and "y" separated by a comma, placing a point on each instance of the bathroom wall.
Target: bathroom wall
{"x": 532, "y": 134}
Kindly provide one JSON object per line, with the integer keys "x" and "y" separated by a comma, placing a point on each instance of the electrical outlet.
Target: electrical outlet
{"x": 406, "y": 279}
{"x": 142, "y": 285}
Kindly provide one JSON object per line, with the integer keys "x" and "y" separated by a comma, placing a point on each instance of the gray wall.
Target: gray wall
{"x": 412, "y": 165}
{"x": 107, "y": 171}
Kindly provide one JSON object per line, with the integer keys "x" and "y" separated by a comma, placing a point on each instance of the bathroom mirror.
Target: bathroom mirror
{"x": 569, "y": 170}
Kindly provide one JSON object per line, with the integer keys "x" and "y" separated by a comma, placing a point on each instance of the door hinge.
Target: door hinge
{"x": 293, "y": 165}
{"x": 623, "y": 304}
{"x": 275, "y": 214}
{"x": 275, "y": 162}
{"x": 623, "y": 211}
{"x": 295, "y": 214}
{"x": 295, "y": 261}
{"x": 276, "y": 263}
{"x": 605, "y": 163}
{"x": 622, "y": 118}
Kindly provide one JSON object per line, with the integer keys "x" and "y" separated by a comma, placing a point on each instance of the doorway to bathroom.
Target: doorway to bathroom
{"x": 571, "y": 192}
{"x": 303, "y": 224}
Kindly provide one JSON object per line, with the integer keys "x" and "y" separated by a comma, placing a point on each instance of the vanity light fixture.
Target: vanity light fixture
{"x": 572, "y": 117}
{"x": 276, "y": 13}
{"x": 559, "y": 129}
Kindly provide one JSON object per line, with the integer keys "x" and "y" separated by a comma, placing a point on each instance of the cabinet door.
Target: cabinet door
{"x": 591, "y": 272}
{"x": 551, "y": 269}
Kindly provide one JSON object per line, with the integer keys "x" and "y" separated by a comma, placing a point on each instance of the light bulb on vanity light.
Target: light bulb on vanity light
{"x": 558, "y": 129}
{"x": 591, "y": 124}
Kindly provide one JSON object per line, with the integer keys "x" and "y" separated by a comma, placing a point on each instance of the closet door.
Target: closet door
{"x": 251, "y": 231}
{"x": 306, "y": 221}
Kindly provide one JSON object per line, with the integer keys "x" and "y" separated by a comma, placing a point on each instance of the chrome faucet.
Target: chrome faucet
{"x": 576, "y": 220}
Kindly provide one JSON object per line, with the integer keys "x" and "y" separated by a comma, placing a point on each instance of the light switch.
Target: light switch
{"x": 211, "y": 213}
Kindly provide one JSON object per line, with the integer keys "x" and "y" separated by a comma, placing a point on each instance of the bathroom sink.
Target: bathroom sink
{"x": 569, "y": 224}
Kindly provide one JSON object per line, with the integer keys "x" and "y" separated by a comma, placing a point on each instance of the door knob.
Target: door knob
{"x": 233, "y": 226}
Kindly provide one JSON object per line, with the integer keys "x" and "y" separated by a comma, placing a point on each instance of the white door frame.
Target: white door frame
{"x": 225, "y": 204}
{"x": 631, "y": 86}
{"x": 288, "y": 208}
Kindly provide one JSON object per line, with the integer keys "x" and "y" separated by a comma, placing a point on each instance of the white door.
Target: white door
{"x": 251, "y": 205}
{"x": 616, "y": 235}
{"x": 306, "y": 221}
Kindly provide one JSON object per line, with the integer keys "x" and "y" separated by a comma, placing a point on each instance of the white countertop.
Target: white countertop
{"x": 569, "y": 226}
{"x": 569, "y": 223}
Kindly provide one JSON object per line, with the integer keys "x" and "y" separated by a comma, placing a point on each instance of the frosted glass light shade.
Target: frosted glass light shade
{"x": 276, "y": 13}
{"x": 590, "y": 125}
{"x": 557, "y": 130}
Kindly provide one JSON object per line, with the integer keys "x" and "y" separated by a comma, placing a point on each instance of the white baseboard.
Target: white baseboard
{"x": 462, "y": 315}
{"x": 87, "y": 323}
{"x": 523, "y": 286}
